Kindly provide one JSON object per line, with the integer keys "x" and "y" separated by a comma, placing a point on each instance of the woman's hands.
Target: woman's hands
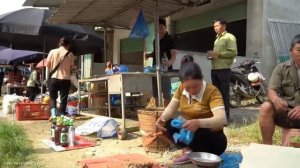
{"x": 160, "y": 124}
{"x": 191, "y": 125}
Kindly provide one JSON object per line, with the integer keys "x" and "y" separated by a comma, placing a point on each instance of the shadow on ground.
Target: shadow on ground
{"x": 244, "y": 115}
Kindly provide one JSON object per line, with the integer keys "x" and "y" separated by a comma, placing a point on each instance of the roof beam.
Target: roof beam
{"x": 122, "y": 10}
{"x": 102, "y": 24}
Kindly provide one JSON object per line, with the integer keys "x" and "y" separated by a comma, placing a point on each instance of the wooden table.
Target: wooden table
{"x": 126, "y": 82}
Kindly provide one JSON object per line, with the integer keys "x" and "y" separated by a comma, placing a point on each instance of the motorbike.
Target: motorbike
{"x": 247, "y": 82}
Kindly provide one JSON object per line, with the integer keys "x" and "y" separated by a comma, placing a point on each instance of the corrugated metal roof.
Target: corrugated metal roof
{"x": 43, "y": 3}
{"x": 112, "y": 13}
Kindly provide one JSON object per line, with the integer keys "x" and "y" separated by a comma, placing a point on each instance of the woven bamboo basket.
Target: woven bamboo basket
{"x": 147, "y": 121}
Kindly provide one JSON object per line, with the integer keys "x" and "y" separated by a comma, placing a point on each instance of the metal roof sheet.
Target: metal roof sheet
{"x": 112, "y": 13}
{"x": 43, "y": 3}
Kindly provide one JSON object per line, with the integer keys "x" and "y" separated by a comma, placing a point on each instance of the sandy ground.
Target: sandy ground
{"x": 39, "y": 130}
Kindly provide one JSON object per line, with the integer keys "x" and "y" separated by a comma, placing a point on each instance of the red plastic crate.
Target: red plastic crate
{"x": 32, "y": 111}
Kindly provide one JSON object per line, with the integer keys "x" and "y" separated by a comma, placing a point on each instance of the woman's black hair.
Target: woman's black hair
{"x": 190, "y": 70}
{"x": 296, "y": 40}
{"x": 187, "y": 58}
{"x": 65, "y": 41}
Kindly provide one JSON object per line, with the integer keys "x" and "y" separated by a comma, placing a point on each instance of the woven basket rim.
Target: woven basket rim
{"x": 153, "y": 109}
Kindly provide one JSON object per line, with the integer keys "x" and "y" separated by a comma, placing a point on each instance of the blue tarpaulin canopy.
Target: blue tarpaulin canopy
{"x": 11, "y": 56}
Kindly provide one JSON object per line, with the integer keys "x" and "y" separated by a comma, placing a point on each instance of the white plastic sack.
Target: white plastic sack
{"x": 72, "y": 110}
{"x": 105, "y": 127}
{"x": 74, "y": 81}
{"x": 8, "y": 102}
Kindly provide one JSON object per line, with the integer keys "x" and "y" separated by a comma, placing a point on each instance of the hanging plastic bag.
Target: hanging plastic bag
{"x": 140, "y": 28}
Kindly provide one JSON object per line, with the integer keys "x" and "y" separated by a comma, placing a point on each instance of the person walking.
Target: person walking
{"x": 60, "y": 63}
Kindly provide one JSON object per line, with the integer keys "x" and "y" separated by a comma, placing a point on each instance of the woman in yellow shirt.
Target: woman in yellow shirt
{"x": 201, "y": 105}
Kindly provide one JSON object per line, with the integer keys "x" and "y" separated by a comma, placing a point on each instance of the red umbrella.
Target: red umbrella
{"x": 42, "y": 63}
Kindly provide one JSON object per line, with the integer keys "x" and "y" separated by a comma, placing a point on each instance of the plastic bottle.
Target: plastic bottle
{"x": 164, "y": 61}
{"x": 64, "y": 134}
{"x": 71, "y": 133}
{"x": 53, "y": 125}
{"x": 58, "y": 130}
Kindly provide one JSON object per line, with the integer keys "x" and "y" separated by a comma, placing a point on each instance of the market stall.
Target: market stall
{"x": 122, "y": 83}
{"x": 120, "y": 14}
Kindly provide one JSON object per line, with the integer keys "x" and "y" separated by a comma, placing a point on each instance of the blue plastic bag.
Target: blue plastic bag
{"x": 231, "y": 160}
{"x": 115, "y": 100}
{"x": 116, "y": 69}
{"x": 123, "y": 68}
{"x": 140, "y": 28}
{"x": 149, "y": 69}
{"x": 184, "y": 135}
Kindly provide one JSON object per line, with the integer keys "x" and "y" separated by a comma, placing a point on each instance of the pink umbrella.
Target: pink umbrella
{"x": 42, "y": 63}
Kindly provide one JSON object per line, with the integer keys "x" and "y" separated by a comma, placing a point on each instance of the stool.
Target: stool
{"x": 286, "y": 134}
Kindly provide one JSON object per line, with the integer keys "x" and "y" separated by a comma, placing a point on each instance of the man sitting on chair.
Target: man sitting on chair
{"x": 283, "y": 107}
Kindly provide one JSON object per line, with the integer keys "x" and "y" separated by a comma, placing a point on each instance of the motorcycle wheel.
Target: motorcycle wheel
{"x": 235, "y": 99}
{"x": 262, "y": 95}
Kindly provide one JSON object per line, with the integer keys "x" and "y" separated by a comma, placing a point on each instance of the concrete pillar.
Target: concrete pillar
{"x": 254, "y": 40}
{"x": 169, "y": 25}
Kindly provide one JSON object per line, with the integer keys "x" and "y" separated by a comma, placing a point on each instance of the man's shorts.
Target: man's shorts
{"x": 281, "y": 119}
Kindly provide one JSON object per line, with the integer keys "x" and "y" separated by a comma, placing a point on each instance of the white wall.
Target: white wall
{"x": 118, "y": 35}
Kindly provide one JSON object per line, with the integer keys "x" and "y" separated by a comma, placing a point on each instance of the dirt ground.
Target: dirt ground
{"x": 39, "y": 130}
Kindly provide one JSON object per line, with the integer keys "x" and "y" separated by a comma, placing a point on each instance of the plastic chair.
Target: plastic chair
{"x": 286, "y": 134}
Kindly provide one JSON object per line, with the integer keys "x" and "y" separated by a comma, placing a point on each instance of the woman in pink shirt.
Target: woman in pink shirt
{"x": 60, "y": 79}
